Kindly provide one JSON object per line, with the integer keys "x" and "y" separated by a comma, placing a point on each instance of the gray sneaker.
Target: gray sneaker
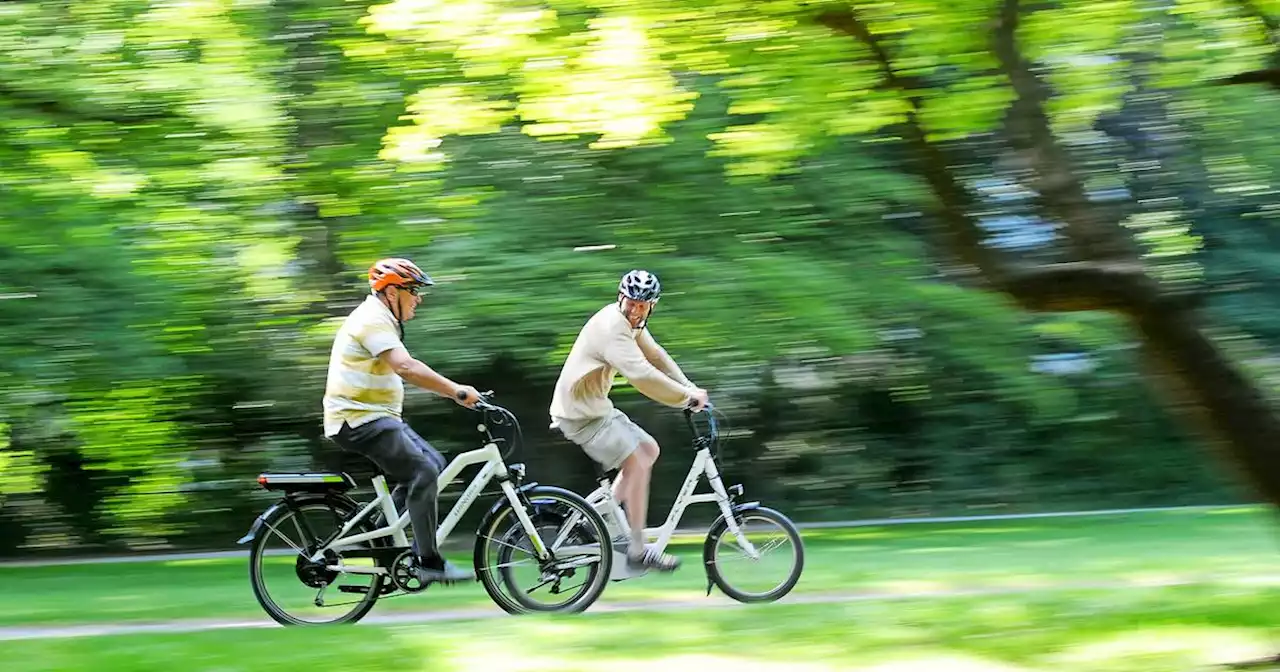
{"x": 448, "y": 574}
{"x": 651, "y": 559}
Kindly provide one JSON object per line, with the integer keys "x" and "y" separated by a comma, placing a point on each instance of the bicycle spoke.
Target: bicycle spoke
{"x": 761, "y": 550}
{"x": 297, "y": 526}
{"x": 528, "y": 552}
{"x": 287, "y": 540}
{"x": 545, "y": 582}
{"x": 515, "y": 563}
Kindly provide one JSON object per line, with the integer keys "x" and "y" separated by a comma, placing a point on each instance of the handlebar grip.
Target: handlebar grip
{"x": 484, "y": 396}
{"x": 688, "y": 409}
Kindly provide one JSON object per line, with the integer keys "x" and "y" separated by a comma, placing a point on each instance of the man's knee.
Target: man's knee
{"x": 426, "y": 475}
{"x": 649, "y": 451}
{"x": 419, "y": 458}
{"x": 642, "y": 458}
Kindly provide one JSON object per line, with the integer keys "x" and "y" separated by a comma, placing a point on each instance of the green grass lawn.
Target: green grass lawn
{"x": 1156, "y": 629}
{"x": 1225, "y": 546}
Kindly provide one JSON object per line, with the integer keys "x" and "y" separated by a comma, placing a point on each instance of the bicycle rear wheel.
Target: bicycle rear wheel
{"x": 302, "y": 592}
{"x": 573, "y": 531}
{"x": 768, "y": 531}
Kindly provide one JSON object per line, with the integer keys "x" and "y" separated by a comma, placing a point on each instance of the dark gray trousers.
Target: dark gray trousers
{"x": 409, "y": 462}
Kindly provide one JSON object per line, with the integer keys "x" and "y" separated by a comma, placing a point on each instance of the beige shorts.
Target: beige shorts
{"x": 608, "y": 440}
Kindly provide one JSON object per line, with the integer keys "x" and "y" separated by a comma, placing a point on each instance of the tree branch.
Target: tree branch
{"x": 40, "y": 104}
{"x": 1062, "y": 193}
{"x": 1270, "y": 75}
{"x": 1072, "y": 286}
{"x": 930, "y": 162}
{"x": 1273, "y": 26}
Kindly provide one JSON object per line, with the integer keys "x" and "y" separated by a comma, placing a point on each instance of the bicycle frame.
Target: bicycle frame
{"x": 489, "y": 455}
{"x": 704, "y": 466}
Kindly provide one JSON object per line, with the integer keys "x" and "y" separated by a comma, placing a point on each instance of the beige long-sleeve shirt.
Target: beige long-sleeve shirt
{"x": 608, "y": 344}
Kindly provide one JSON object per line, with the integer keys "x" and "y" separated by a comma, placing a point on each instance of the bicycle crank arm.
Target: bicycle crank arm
{"x": 344, "y": 569}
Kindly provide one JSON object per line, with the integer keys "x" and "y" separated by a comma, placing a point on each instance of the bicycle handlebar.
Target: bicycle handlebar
{"x": 713, "y": 429}
{"x": 503, "y": 416}
{"x": 482, "y": 403}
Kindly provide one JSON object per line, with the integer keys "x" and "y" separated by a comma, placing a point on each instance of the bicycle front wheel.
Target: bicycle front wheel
{"x": 581, "y": 554}
{"x": 768, "y": 545}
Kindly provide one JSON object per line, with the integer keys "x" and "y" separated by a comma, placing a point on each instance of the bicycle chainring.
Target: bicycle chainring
{"x": 403, "y": 574}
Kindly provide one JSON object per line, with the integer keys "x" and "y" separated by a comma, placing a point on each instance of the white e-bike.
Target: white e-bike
{"x": 745, "y": 536}
{"x": 333, "y": 541}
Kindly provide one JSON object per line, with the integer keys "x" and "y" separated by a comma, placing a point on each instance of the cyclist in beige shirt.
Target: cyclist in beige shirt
{"x": 616, "y": 339}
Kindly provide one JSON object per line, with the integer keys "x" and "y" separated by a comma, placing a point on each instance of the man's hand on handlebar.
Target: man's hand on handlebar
{"x": 466, "y": 396}
{"x": 698, "y": 400}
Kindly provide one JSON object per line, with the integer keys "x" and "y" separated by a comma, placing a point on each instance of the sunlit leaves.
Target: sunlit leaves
{"x": 438, "y": 112}
{"x": 606, "y": 81}
{"x": 759, "y": 149}
{"x": 1209, "y": 39}
{"x": 126, "y": 430}
{"x": 611, "y": 85}
{"x": 20, "y": 471}
{"x": 1085, "y": 47}
{"x": 490, "y": 34}
{"x": 975, "y": 104}
{"x": 1166, "y": 236}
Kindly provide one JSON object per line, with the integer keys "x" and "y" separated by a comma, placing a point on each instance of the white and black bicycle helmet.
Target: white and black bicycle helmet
{"x": 640, "y": 285}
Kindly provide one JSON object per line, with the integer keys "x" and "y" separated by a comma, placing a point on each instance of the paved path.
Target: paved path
{"x": 875, "y": 522}
{"x": 716, "y": 601}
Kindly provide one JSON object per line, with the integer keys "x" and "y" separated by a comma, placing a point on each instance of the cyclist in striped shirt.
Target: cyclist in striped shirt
{"x": 364, "y": 395}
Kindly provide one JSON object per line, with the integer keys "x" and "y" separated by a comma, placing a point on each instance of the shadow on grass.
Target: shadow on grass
{"x": 1159, "y": 629}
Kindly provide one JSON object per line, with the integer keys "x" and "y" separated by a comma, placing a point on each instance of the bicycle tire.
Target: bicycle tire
{"x": 345, "y": 510}
{"x": 540, "y": 497}
{"x": 710, "y": 560}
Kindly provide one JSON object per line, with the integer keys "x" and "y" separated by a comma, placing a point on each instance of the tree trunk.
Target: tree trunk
{"x": 1201, "y": 383}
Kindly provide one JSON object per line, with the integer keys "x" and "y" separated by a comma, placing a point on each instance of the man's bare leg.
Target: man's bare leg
{"x": 619, "y": 488}
{"x": 636, "y": 471}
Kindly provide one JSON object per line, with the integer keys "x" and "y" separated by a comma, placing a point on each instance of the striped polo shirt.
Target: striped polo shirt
{"x": 360, "y": 387}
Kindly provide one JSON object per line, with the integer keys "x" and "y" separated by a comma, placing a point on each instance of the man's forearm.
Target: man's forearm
{"x": 661, "y": 388}
{"x": 425, "y": 377}
{"x": 664, "y": 363}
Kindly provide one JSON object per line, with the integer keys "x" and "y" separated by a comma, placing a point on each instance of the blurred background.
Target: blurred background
{"x": 191, "y": 193}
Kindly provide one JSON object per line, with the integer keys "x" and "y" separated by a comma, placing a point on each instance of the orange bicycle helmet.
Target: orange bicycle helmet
{"x": 399, "y": 272}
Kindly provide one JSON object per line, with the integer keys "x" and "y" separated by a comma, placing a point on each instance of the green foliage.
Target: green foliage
{"x": 190, "y": 193}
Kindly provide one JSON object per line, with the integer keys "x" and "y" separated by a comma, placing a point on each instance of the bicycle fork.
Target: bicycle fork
{"x": 726, "y": 503}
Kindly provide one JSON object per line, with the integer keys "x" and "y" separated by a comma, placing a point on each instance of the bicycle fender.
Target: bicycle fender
{"x": 260, "y": 520}
{"x": 718, "y": 527}
{"x": 285, "y": 502}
